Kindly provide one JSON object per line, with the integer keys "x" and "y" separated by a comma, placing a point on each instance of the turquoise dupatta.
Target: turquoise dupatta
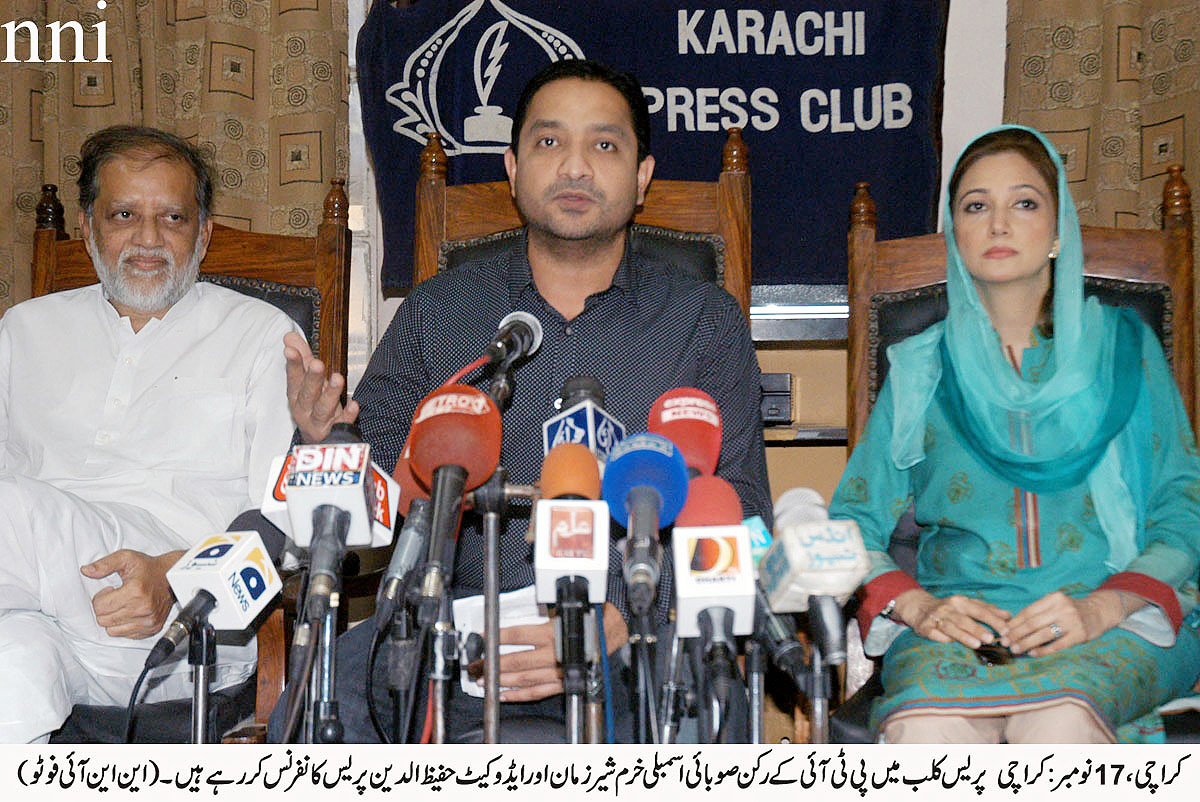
{"x": 1082, "y": 419}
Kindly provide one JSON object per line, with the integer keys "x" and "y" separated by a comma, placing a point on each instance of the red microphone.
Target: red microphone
{"x": 410, "y": 487}
{"x": 454, "y": 446}
{"x": 711, "y": 501}
{"x": 689, "y": 418}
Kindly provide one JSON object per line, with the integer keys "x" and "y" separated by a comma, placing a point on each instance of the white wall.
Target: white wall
{"x": 974, "y": 94}
{"x": 973, "y": 102}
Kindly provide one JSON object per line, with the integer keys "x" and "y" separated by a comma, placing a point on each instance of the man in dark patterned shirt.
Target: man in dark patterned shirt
{"x": 579, "y": 165}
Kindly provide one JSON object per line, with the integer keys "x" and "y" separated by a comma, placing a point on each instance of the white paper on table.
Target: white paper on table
{"x": 517, "y": 608}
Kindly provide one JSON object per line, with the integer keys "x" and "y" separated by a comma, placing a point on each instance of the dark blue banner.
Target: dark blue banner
{"x": 827, "y": 92}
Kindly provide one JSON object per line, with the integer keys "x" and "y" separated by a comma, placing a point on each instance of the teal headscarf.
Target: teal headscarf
{"x": 1081, "y": 420}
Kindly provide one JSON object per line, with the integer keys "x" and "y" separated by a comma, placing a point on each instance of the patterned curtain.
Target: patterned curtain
{"x": 1116, "y": 85}
{"x": 260, "y": 85}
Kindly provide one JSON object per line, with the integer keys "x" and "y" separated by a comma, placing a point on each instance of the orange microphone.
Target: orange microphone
{"x": 454, "y": 446}
{"x": 690, "y": 419}
{"x": 570, "y": 471}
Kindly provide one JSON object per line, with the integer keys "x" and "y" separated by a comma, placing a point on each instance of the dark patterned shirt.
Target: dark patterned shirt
{"x": 652, "y": 330}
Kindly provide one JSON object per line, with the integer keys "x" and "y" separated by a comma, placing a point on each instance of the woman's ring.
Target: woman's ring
{"x": 937, "y": 622}
{"x": 1056, "y": 631}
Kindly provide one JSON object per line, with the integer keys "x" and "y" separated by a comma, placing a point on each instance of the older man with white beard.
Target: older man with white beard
{"x": 136, "y": 416}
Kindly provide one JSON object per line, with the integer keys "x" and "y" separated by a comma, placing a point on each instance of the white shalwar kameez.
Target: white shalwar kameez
{"x": 113, "y": 439}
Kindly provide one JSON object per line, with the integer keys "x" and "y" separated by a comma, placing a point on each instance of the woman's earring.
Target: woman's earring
{"x": 1053, "y": 253}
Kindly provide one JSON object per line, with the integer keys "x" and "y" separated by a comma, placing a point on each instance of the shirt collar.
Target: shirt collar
{"x": 177, "y": 310}
{"x": 520, "y": 274}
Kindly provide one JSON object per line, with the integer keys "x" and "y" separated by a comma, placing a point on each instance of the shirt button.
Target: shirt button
{"x": 117, "y": 402}
{"x": 569, "y": 331}
{"x": 103, "y": 437}
{"x": 128, "y": 360}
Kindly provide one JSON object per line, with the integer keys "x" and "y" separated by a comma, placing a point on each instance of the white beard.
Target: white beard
{"x": 166, "y": 289}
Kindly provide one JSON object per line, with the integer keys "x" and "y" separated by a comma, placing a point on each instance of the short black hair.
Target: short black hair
{"x": 588, "y": 70}
{"x": 140, "y": 140}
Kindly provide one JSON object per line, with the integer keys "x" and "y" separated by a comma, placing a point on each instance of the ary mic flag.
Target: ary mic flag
{"x": 828, "y": 92}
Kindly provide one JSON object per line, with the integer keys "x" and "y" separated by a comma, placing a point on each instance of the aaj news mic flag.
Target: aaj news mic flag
{"x": 235, "y": 568}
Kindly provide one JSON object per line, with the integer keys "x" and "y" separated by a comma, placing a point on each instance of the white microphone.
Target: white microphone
{"x": 583, "y": 419}
{"x": 228, "y": 577}
{"x": 518, "y": 335}
{"x": 714, "y": 568}
{"x": 813, "y": 558}
{"x": 570, "y": 525}
{"x": 384, "y": 500}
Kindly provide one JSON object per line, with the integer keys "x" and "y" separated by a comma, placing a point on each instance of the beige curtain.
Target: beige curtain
{"x": 1116, "y": 85}
{"x": 260, "y": 85}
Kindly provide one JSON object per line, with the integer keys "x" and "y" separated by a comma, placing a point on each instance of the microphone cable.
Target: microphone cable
{"x": 457, "y": 377}
{"x": 133, "y": 697}
{"x": 609, "y": 722}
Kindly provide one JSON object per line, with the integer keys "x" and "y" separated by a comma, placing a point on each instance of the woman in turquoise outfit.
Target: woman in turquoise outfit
{"x": 1041, "y": 441}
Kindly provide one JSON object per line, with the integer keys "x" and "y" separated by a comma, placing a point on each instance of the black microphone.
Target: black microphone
{"x": 411, "y": 547}
{"x": 778, "y": 639}
{"x": 519, "y": 335}
{"x": 189, "y": 617}
{"x": 330, "y": 526}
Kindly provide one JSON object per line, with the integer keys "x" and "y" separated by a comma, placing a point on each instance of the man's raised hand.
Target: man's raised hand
{"x": 314, "y": 399}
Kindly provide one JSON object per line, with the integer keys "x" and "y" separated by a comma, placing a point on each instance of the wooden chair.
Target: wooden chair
{"x": 897, "y": 288}
{"x": 306, "y": 277}
{"x": 447, "y": 214}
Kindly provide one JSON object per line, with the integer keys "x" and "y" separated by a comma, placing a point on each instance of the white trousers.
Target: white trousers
{"x": 53, "y": 654}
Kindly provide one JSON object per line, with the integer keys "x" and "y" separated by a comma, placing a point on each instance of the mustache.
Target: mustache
{"x": 142, "y": 252}
{"x": 579, "y": 185}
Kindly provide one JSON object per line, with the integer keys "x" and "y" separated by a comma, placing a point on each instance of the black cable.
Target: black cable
{"x": 376, "y": 642}
{"x": 137, "y": 688}
{"x": 295, "y": 688}
{"x": 425, "y": 635}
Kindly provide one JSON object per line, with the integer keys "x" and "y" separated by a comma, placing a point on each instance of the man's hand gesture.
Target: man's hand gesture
{"x": 314, "y": 399}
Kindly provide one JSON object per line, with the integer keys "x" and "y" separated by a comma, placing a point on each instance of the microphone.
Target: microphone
{"x": 570, "y": 524}
{"x": 228, "y": 578}
{"x": 645, "y": 485}
{"x": 713, "y": 568}
{"x": 411, "y": 547}
{"x": 583, "y": 419}
{"x": 383, "y": 495}
{"x": 454, "y": 447}
{"x": 570, "y": 559}
{"x": 690, "y": 419}
{"x": 410, "y": 487}
{"x": 814, "y": 558}
{"x": 519, "y": 335}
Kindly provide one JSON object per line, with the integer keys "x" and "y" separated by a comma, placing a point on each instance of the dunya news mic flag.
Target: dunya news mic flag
{"x": 827, "y": 92}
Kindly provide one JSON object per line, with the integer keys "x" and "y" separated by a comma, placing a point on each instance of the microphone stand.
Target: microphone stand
{"x": 327, "y": 725}
{"x": 675, "y": 692}
{"x": 445, "y": 651}
{"x": 491, "y": 501}
{"x": 572, "y": 603}
{"x": 202, "y": 656}
{"x": 756, "y": 668}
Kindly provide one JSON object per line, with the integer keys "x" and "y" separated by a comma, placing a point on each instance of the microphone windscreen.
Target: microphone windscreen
{"x": 273, "y": 538}
{"x": 455, "y": 425}
{"x": 690, "y": 419}
{"x": 410, "y": 486}
{"x": 646, "y": 460}
{"x": 570, "y": 470}
{"x": 711, "y": 501}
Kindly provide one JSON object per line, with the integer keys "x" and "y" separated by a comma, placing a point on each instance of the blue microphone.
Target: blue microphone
{"x": 645, "y": 485}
